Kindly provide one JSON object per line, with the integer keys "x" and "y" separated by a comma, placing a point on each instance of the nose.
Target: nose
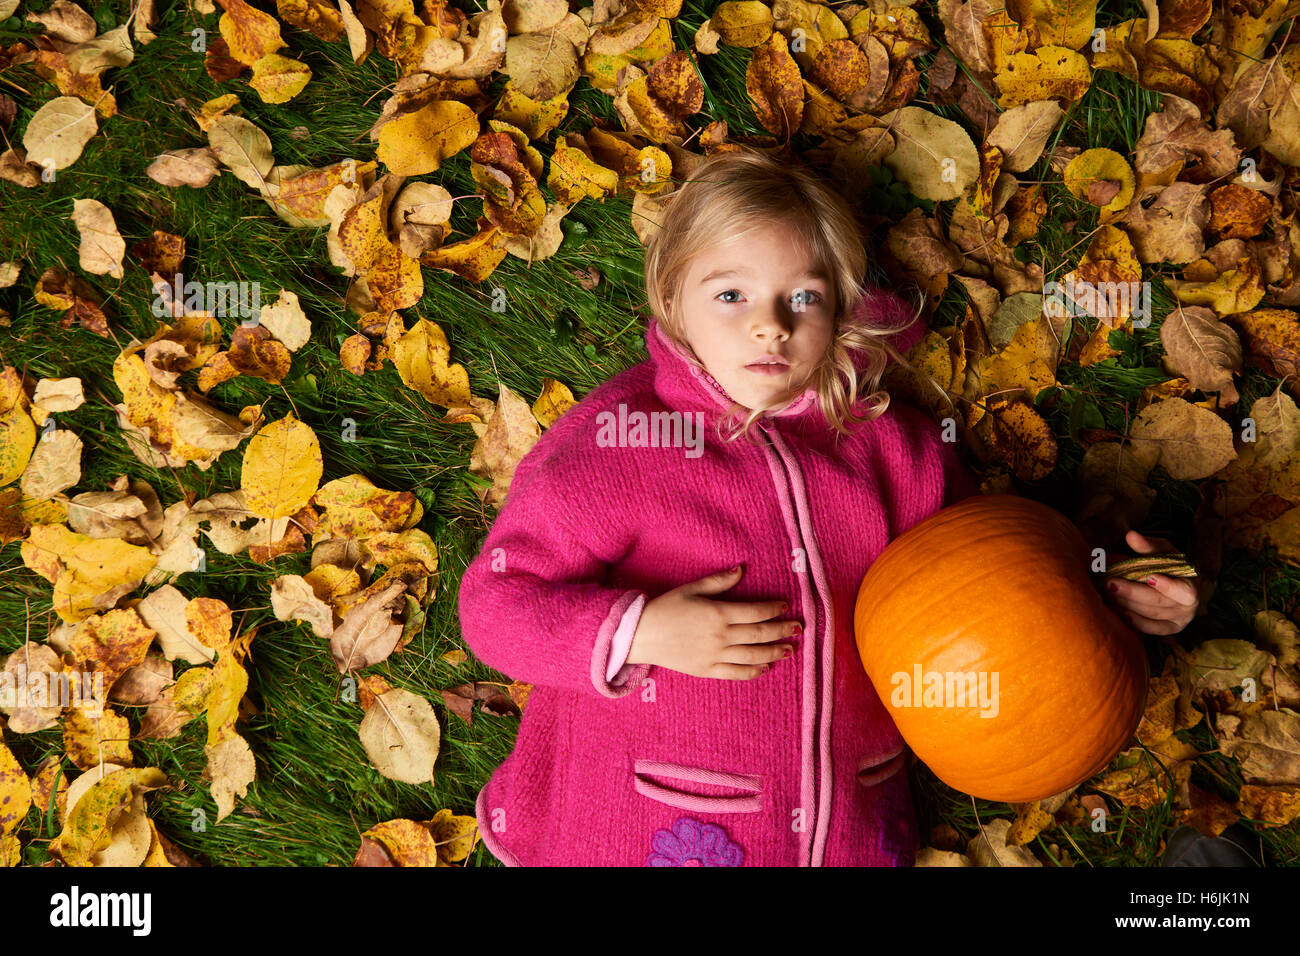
{"x": 771, "y": 324}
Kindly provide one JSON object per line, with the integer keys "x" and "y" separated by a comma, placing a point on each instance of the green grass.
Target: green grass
{"x": 315, "y": 790}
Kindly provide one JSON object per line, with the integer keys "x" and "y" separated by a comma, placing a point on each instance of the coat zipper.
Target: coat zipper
{"x": 813, "y": 559}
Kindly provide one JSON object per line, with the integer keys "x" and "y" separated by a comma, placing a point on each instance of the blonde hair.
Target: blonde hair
{"x": 735, "y": 192}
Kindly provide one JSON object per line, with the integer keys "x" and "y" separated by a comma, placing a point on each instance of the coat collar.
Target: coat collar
{"x": 682, "y": 385}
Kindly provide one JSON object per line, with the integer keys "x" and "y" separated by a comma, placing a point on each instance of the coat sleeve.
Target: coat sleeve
{"x": 533, "y": 604}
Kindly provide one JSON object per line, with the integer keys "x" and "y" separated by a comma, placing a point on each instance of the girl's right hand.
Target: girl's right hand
{"x": 686, "y": 631}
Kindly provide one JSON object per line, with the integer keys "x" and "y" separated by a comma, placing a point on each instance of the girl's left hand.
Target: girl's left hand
{"x": 1165, "y": 606}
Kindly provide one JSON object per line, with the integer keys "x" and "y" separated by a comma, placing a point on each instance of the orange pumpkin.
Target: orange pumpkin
{"x": 984, "y": 636}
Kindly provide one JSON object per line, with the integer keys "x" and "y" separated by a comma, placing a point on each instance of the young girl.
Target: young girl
{"x": 676, "y": 564}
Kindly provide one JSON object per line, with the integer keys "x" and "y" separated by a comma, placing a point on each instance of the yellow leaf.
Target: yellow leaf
{"x": 281, "y": 469}
{"x": 278, "y": 79}
{"x": 742, "y": 22}
{"x": 89, "y": 824}
{"x": 361, "y": 232}
{"x": 192, "y": 688}
{"x": 1102, "y": 177}
{"x": 1050, "y": 72}
{"x": 215, "y": 108}
{"x": 90, "y": 741}
{"x": 156, "y": 856}
{"x": 422, "y": 360}
{"x": 474, "y": 258}
{"x": 1067, "y": 23}
{"x": 88, "y": 574}
{"x": 17, "y": 439}
{"x": 250, "y": 33}
{"x": 1030, "y": 820}
{"x": 574, "y": 174}
{"x": 535, "y": 117}
{"x": 210, "y": 621}
{"x": 229, "y": 682}
{"x": 1229, "y": 292}
{"x": 394, "y": 279}
{"x": 354, "y": 352}
{"x": 420, "y": 141}
{"x": 1020, "y": 363}
{"x": 316, "y": 16}
{"x": 455, "y": 835}
{"x": 298, "y": 196}
{"x": 407, "y": 842}
{"x": 355, "y": 508}
{"x": 15, "y": 793}
{"x": 389, "y": 548}
{"x": 111, "y": 643}
{"x": 554, "y": 401}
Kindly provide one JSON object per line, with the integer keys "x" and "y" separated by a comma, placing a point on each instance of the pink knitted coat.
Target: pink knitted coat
{"x": 613, "y": 506}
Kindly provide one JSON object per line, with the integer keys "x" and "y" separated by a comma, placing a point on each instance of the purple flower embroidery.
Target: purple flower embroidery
{"x": 692, "y": 843}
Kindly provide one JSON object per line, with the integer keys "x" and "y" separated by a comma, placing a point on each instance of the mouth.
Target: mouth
{"x": 772, "y": 366}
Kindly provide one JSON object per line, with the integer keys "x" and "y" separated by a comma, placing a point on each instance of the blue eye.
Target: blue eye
{"x": 728, "y": 292}
{"x": 807, "y": 296}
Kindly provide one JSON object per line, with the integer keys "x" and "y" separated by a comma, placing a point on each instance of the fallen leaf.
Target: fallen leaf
{"x": 934, "y": 156}
{"x": 421, "y": 141}
{"x": 509, "y": 436}
{"x": 400, "y": 734}
{"x": 54, "y": 466}
{"x": 1022, "y": 131}
{"x": 990, "y": 847}
{"x": 281, "y": 468}
{"x": 59, "y": 131}
{"x": 102, "y": 246}
{"x": 194, "y": 167}
{"x": 367, "y": 634}
{"x": 242, "y": 148}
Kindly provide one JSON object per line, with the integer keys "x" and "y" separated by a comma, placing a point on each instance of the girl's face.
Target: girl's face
{"x": 757, "y": 298}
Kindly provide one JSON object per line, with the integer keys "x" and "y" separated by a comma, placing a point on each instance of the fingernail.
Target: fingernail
{"x": 1151, "y": 581}
{"x": 788, "y": 652}
{"x": 798, "y": 629}
{"x": 1113, "y": 587}
{"x": 785, "y": 607}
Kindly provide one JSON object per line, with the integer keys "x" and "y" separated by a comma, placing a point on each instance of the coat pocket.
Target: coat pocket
{"x": 874, "y": 769}
{"x": 700, "y": 790}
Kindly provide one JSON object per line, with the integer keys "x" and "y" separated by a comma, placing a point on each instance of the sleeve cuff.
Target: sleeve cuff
{"x": 622, "y": 644}
{"x": 610, "y": 672}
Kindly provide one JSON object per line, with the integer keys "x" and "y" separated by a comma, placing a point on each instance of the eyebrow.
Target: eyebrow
{"x": 723, "y": 273}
